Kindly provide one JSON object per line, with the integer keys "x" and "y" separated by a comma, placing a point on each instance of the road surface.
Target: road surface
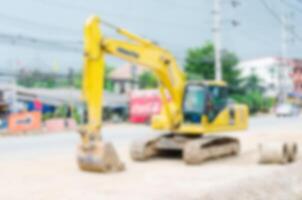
{"x": 44, "y": 167}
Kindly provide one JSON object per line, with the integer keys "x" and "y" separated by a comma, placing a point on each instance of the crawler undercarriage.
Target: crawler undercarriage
{"x": 194, "y": 149}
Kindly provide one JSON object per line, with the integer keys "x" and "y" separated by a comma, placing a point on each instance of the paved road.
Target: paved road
{"x": 37, "y": 145}
{"x": 40, "y": 144}
{"x": 43, "y": 166}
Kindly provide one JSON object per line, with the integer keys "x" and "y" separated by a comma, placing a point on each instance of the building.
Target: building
{"x": 52, "y": 98}
{"x": 296, "y": 95}
{"x": 125, "y": 78}
{"x": 268, "y": 69}
{"x": 297, "y": 76}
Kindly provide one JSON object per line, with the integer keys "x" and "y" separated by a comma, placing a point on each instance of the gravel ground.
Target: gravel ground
{"x": 48, "y": 171}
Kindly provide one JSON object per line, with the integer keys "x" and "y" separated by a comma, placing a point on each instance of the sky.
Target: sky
{"x": 176, "y": 25}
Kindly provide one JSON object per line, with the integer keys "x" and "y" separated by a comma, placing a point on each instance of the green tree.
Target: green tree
{"x": 147, "y": 80}
{"x": 37, "y": 79}
{"x": 199, "y": 64}
{"x": 108, "y": 84}
{"x": 253, "y": 95}
{"x": 77, "y": 80}
{"x": 252, "y": 83}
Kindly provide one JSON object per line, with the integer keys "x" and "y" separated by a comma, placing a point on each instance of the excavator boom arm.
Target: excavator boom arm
{"x": 135, "y": 50}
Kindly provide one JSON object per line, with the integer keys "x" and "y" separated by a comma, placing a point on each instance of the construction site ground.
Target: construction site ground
{"x": 43, "y": 166}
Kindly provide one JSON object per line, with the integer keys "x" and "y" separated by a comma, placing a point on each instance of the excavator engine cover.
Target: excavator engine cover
{"x": 99, "y": 157}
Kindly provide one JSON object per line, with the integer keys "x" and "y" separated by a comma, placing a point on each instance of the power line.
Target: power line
{"x": 286, "y": 28}
{"x": 279, "y": 19}
{"x": 131, "y": 17}
{"x": 258, "y": 39}
{"x": 271, "y": 11}
{"x": 31, "y": 41}
{"x": 171, "y": 3}
{"x": 79, "y": 8}
{"x": 40, "y": 26}
{"x": 296, "y": 8}
{"x": 297, "y": 36}
{"x": 253, "y": 37}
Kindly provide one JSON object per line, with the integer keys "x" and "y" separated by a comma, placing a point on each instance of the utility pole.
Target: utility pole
{"x": 217, "y": 39}
{"x": 281, "y": 95}
{"x": 133, "y": 76}
{"x": 285, "y": 39}
{"x": 70, "y": 77}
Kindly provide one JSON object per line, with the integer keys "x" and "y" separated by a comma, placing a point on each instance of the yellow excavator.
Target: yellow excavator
{"x": 191, "y": 111}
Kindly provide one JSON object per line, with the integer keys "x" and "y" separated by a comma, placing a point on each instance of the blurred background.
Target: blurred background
{"x": 259, "y": 44}
{"x": 253, "y": 45}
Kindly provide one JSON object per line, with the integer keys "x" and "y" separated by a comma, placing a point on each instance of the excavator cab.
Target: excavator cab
{"x": 203, "y": 100}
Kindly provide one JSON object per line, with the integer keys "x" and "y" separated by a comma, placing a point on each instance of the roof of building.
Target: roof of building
{"x": 125, "y": 72}
{"x": 59, "y": 96}
{"x": 270, "y": 60}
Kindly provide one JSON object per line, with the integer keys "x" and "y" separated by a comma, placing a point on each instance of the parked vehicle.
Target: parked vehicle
{"x": 287, "y": 110}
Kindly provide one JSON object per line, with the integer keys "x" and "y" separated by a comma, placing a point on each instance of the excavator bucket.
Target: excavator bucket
{"x": 278, "y": 152}
{"x": 94, "y": 154}
{"x": 99, "y": 157}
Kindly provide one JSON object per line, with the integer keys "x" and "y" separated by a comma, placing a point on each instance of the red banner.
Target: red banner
{"x": 144, "y": 104}
{"x": 25, "y": 121}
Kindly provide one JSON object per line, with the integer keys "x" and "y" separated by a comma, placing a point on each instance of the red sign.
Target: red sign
{"x": 25, "y": 121}
{"x": 144, "y": 104}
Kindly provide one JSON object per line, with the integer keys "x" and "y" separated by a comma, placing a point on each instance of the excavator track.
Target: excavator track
{"x": 195, "y": 150}
{"x": 200, "y": 150}
{"x": 143, "y": 149}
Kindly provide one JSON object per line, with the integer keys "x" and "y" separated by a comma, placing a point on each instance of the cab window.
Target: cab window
{"x": 218, "y": 97}
{"x": 194, "y": 103}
